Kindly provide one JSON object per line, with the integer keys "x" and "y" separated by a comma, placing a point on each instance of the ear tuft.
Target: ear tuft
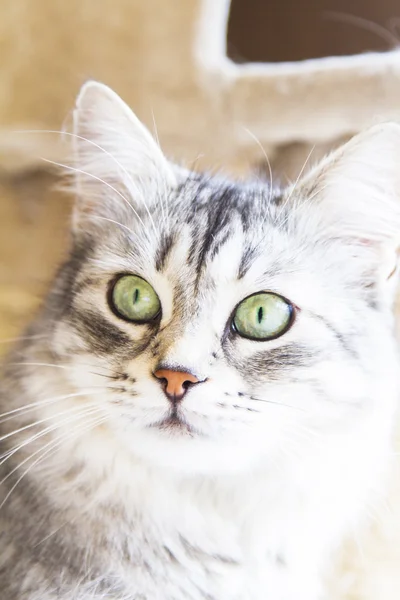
{"x": 117, "y": 161}
{"x": 351, "y": 201}
{"x": 356, "y": 190}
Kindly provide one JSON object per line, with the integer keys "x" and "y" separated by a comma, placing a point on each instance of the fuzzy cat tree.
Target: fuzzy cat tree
{"x": 167, "y": 59}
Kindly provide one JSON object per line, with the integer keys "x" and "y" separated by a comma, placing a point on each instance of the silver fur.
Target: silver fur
{"x": 288, "y": 442}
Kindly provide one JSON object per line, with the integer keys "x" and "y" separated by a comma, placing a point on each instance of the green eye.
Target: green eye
{"x": 132, "y": 298}
{"x": 263, "y": 316}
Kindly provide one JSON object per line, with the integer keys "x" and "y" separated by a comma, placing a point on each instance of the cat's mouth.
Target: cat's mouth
{"x": 174, "y": 422}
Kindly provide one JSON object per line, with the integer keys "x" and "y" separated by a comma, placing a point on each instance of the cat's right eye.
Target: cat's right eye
{"x": 133, "y": 299}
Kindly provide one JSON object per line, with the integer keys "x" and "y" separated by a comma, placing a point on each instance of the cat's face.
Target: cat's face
{"x": 225, "y": 325}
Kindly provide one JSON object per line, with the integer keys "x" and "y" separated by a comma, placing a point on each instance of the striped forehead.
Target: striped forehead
{"x": 212, "y": 227}
{"x": 204, "y": 227}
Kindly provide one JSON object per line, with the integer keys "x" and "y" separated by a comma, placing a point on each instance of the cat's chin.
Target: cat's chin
{"x": 177, "y": 445}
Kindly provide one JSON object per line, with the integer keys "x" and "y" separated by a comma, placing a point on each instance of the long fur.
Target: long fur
{"x": 287, "y": 443}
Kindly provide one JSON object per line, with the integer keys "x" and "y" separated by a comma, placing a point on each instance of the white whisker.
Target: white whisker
{"x": 84, "y": 411}
{"x": 38, "y": 364}
{"x": 50, "y": 446}
{"x": 111, "y": 187}
{"x": 44, "y": 420}
{"x": 383, "y": 33}
{"x": 294, "y": 186}
{"x": 98, "y": 217}
{"x": 268, "y": 401}
{"x": 164, "y": 208}
{"x": 255, "y": 138}
{"x": 57, "y": 366}
{"x": 16, "y": 412}
{"x": 23, "y": 337}
{"x": 106, "y": 152}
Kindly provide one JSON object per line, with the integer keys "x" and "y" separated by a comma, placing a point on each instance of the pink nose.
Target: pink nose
{"x": 175, "y": 383}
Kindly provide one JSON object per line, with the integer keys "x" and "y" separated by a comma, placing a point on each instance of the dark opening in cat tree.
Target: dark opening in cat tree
{"x": 289, "y": 30}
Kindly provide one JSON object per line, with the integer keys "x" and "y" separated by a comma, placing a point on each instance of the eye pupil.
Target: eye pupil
{"x": 263, "y": 316}
{"x": 133, "y": 299}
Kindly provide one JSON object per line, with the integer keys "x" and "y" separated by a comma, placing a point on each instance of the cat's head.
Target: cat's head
{"x": 225, "y": 323}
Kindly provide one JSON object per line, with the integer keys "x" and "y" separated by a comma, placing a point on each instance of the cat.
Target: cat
{"x": 204, "y": 406}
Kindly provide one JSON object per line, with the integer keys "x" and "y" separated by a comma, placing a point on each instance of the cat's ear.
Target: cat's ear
{"x": 353, "y": 198}
{"x": 117, "y": 162}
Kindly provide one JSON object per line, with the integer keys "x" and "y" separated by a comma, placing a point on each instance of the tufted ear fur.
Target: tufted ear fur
{"x": 117, "y": 161}
{"x": 353, "y": 198}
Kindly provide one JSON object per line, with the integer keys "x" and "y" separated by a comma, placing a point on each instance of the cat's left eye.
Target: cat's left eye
{"x": 133, "y": 299}
{"x": 263, "y": 316}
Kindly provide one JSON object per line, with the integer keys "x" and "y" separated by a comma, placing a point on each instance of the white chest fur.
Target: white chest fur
{"x": 256, "y": 536}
